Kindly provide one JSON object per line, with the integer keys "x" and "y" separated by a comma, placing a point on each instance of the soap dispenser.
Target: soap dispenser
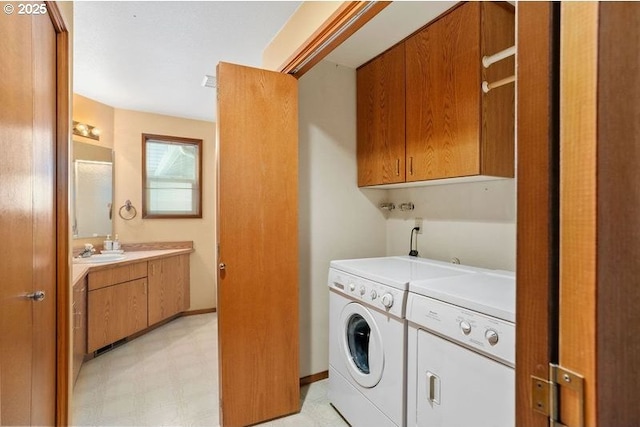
{"x": 108, "y": 243}
{"x": 116, "y": 244}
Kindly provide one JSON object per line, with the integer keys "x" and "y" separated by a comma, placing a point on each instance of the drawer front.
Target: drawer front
{"x": 115, "y": 275}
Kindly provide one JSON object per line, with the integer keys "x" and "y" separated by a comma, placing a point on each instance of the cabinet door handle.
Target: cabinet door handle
{"x": 410, "y": 165}
{"x": 397, "y": 167}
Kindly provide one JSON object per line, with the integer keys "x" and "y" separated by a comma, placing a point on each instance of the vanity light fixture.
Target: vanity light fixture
{"x": 85, "y": 130}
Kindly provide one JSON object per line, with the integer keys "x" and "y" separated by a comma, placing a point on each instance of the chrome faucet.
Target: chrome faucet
{"x": 87, "y": 251}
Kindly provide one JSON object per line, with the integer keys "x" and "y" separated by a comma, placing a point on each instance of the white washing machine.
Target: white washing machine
{"x": 367, "y": 335}
{"x": 461, "y": 351}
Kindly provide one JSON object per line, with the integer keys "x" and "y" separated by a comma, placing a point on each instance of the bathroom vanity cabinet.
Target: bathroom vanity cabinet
{"x": 126, "y": 298}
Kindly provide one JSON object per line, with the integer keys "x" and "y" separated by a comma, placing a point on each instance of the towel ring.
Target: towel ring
{"x": 128, "y": 207}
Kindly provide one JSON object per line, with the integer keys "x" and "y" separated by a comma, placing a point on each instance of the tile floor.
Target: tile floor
{"x": 168, "y": 377}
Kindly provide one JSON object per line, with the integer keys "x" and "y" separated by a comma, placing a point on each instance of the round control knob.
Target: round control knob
{"x": 352, "y": 287}
{"x": 374, "y": 294}
{"x": 362, "y": 290}
{"x": 491, "y": 336}
{"x": 465, "y": 327}
{"x": 387, "y": 300}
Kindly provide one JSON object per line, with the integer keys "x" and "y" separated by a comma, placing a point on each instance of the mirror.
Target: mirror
{"x": 92, "y": 191}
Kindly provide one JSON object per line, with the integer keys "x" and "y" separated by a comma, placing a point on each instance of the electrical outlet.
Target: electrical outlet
{"x": 419, "y": 224}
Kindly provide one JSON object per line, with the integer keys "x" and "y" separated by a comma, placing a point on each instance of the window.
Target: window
{"x": 171, "y": 177}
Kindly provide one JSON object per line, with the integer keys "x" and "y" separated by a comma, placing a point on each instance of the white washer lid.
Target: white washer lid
{"x": 491, "y": 293}
{"x": 399, "y": 271}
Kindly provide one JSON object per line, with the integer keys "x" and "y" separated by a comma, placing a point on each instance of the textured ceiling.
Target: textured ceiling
{"x": 152, "y": 55}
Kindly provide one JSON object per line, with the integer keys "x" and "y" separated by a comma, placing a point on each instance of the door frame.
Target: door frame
{"x": 537, "y": 261}
{"x": 345, "y": 21}
{"x": 63, "y": 306}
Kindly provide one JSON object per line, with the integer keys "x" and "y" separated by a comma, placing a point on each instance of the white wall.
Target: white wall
{"x": 337, "y": 220}
{"x": 474, "y": 222}
{"x": 128, "y": 127}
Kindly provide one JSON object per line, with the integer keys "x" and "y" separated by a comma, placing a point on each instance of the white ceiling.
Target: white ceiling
{"x": 391, "y": 25}
{"x": 152, "y": 55}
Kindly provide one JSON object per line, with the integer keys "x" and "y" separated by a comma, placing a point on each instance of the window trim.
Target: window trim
{"x": 170, "y": 140}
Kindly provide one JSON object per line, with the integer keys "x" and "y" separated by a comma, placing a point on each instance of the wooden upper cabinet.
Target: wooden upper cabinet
{"x": 422, "y": 114}
{"x": 168, "y": 287}
{"x": 381, "y": 119}
{"x": 452, "y": 128}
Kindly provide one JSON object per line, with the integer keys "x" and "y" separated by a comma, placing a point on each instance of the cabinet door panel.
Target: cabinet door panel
{"x": 168, "y": 287}
{"x": 443, "y": 97}
{"x": 116, "y": 312}
{"x": 381, "y": 119}
{"x": 79, "y": 326}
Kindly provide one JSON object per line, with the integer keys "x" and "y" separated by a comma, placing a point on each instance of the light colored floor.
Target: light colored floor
{"x": 168, "y": 377}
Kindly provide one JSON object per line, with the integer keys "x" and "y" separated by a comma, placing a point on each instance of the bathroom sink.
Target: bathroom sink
{"x": 99, "y": 258}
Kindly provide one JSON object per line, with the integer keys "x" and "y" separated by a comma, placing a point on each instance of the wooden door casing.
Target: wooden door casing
{"x": 381, "y": 119}
{"x": 43, "y": 393}
{"x": 258, "y": 243}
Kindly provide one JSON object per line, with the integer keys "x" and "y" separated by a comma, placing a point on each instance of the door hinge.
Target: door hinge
{"x": 545, "y": 394}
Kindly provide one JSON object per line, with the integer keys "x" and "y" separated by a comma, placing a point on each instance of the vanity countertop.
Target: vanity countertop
{"x": 79, "y": 271}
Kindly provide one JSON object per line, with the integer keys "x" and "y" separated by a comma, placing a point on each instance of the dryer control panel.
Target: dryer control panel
{"x": 494, "y": 337}
{"x": 377, "y": 295}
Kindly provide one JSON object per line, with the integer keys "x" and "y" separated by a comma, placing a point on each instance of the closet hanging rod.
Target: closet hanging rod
{"x": 486, "y": 87}
{"x": 488, "y": 60}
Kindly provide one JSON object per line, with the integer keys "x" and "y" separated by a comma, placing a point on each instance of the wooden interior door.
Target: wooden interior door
{"x": 596, "y": 111}
{"x": 538, "y": 203}
{"x": 258, "y": 244}
{"x": 600, "y": 210}
{"x": 28, "y": 220}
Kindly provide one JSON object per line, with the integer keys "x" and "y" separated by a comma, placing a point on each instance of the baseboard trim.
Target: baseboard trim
{"x": 313, "y": 378}
{"x": 199, "y": 311}
{"x": 148, "y": 329}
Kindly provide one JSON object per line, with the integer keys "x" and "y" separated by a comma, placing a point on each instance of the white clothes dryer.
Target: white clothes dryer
{"x": 461, "y": 351}
{"x": 367, "y": 335}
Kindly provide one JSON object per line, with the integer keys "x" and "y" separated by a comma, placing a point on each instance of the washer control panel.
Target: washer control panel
{"x": 384, "y": 298}
{"x": 489, "y": 335}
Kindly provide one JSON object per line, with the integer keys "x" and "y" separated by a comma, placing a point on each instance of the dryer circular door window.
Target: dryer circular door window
{"x": 362, "y": 345}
